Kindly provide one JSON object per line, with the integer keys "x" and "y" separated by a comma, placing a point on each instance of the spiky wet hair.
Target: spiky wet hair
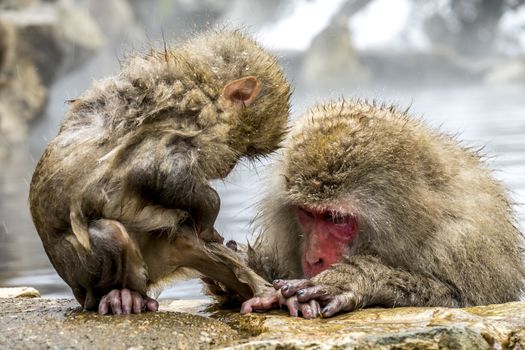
{"x": 183, "y": 85}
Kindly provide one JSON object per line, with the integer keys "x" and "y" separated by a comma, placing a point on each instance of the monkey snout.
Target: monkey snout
{"x": 314, "y": 264}
{"x": 314, "y": 260}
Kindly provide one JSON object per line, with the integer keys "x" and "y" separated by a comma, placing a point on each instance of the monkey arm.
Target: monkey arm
{"x": 362, "y": 281}
{"x": 162, "y": 170}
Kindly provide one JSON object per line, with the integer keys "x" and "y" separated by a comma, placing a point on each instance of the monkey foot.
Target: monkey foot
{"x": 125, "y": 301}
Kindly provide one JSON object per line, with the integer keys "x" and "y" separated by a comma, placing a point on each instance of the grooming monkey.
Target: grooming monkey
{"x": 372, "y": 208}
{"x": 120, "y": 198}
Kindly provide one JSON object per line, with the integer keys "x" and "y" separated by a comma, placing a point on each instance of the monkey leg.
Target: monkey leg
{"x": 363, "y": 281}
{"x": 217, "y": 262}
{"x": 122, "y": 275}
{"x": 113, "y": 263}
{"x": 225, "y": 296}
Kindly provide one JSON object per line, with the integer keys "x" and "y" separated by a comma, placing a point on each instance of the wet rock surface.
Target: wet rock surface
{"x": 484, "y": 327}
{"x": 59, "y": 324}
{"x": 195, "y": 324}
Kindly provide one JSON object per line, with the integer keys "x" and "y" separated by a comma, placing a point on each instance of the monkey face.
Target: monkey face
{"x": 327, "y": 235}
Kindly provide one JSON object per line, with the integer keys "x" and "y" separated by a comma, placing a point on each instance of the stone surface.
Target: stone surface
{"x": 59, "y": 324}
{"x": 197, "y": 324}
{"x": 484, "y": 327}
{"x": 19, "y": 292}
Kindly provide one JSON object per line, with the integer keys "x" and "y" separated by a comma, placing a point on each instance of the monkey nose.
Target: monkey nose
{"x": 315, "y": 261}
{"x": 313, "y": 266}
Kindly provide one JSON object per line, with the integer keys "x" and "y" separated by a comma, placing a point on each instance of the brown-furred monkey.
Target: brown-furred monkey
{"x": 120, "y": 198}
{"x": 370, "y": 207}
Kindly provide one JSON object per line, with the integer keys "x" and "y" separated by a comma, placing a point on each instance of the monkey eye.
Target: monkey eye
{"x": 336, "y": 218}
{"x": 305, "y": 214}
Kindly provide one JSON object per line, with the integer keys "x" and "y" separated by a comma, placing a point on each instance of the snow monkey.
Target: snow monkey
{"x": 120, "y": 198}
{"x": 370, "y": 207}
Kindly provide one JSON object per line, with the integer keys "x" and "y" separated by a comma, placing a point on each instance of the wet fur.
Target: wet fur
{"x": 435, "y": 227}
{"x": 139, "y": 148}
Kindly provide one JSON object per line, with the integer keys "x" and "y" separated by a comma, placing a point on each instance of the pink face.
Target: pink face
{"x": 327, "y": 234}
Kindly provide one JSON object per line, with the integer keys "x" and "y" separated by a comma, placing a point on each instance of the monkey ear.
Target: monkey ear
{"x": 241, "y": 92}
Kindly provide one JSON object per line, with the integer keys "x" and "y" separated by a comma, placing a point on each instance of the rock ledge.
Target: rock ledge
{"x": 43, "y": 323}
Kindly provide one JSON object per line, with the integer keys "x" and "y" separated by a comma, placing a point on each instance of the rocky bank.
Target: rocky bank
{"x": 35, "y": 323}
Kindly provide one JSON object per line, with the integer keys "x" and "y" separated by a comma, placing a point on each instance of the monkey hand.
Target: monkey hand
{"x": 271, "y": 299}
{"x": 267, "y": 301}
{"x": 300, "y": 292}
{"x": 125, "y": 301}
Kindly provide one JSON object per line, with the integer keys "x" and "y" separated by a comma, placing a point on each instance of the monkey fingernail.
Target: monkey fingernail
{"x": 325, "y": 312}
{"x": 277, "y": 283}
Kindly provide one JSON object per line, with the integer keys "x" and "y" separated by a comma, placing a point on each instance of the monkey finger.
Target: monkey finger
{"x": 103, "y": 305}
{"x": 293, "y": 306}
{"x": 115, "y": 301}
{"x": 306, "y": 310}
{"x": 249, "y": 305}
{"x": 265, "y": 302}
{"x": 310, "y": 309}
{"x": 151, "y": 304}
{"x": 342, "y": 302}
{"x": 316, "y": 308}
{"x": 290, "y": 287}
{"x": 126, "y": 301}
{"x": 137, "y": 301}
{"x": 320, "y": 293}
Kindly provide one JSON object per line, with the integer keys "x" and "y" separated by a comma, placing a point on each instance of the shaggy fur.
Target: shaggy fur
{"x": 435, "y": 227}
{"x": 139, "y": 148}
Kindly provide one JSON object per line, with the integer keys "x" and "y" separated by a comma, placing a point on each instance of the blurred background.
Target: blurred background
{"x": 459, "y": 65}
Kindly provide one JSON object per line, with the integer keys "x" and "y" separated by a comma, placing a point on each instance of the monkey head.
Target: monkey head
{"x": 350, "y": 171}
{"x": 250, "y": 98}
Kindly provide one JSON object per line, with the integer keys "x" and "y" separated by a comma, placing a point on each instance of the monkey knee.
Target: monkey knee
{"x": 116, "y": 257}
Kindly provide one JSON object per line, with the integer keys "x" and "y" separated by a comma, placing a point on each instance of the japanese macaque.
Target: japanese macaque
{"x": 372, "y": 208}
{"x": 120, "y": 198}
